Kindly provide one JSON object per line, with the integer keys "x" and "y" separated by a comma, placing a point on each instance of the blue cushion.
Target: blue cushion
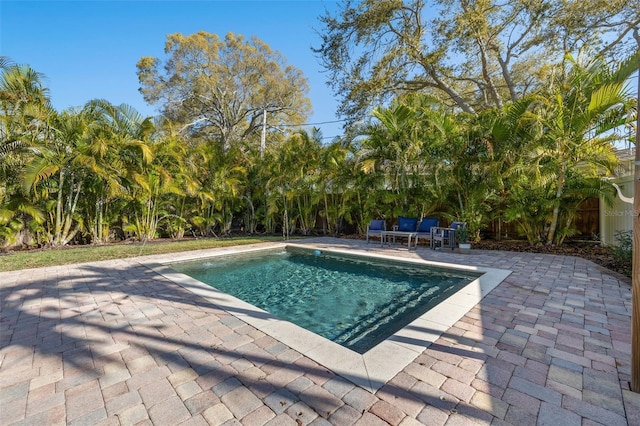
{"x": 376, "y": 225}
{"x": 427, "y": 223}
{"x": 407, "y": 224}
{"x": 456, "y": 225}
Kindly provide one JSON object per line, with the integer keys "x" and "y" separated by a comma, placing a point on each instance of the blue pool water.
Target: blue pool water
{"x": 352, "y": 300}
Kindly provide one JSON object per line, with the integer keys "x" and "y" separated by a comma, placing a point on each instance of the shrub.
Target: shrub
{"x": 623, "y": 251}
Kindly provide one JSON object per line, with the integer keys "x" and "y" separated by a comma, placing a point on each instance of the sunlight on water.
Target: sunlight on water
{"x": 354, "y": 301}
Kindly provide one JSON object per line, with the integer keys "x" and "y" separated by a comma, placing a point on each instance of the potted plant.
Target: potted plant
{"x": 462, "y": 237}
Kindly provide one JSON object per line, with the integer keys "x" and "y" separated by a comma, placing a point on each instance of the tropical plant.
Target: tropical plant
{"x": 334, "y": 186}
{"x": 573, "y": 122}
{"x": 467, "y": 177}
{"x": 462, "y": 235}
{"x": 56, "y": 176}
{"x": 392, "y": 150}
{"x": 158, "y": 184}
{"x": 293, "y": 182}
{"x": 25, "y": 114}
{"x": 623, "y": 250}
{"x": 112, "y": 150}
{"x": 104, "y": 171}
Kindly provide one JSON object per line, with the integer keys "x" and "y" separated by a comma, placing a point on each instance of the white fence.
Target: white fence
{"x": 619, "y": 216}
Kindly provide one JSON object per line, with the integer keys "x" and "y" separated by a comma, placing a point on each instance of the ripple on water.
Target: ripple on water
{"x": 355, "y": 301}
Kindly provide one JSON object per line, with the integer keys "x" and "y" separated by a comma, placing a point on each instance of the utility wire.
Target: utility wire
{"x": 311, "y": 124}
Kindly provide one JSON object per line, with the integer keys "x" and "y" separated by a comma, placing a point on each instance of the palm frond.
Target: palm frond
{"x": 607, "y": 96}
{"x": 626, "y": 68}
{"x": 37, "y": 170}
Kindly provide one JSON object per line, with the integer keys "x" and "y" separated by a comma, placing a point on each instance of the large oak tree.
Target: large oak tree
{"x": 472, "y": 54}
{"x": 220, "y": 90}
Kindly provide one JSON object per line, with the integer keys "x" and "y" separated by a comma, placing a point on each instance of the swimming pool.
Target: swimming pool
{"x": 375, "y": 367}
{"x": 354, "y": 301}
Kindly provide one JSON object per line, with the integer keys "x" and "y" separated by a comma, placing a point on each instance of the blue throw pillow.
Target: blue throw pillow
{"x": 427, "y": 223}
{"x": 407, "y": 224}
{"x": 376, "y": 225}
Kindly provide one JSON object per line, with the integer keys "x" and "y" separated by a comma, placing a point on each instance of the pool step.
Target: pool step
{"x": 368, "y": 325}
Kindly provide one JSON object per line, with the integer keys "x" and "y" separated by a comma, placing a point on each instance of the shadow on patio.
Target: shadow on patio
{"x": 113, "y": 342}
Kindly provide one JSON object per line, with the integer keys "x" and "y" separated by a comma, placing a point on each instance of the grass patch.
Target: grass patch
{"x": 66, "y": 255}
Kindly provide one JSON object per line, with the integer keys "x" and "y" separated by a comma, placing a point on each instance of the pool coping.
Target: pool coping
{"x": 377, "y": 366}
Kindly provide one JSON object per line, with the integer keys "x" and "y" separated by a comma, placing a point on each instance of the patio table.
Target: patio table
{"x": 384, "y": 235}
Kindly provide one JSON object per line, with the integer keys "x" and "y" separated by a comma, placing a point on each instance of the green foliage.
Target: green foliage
{"x": 623, "y": 250}
{"x": 572, "y": 122}
{"x": 103, "y": 173}
{"x": 375, "y": 50}
{"x": 462, "y": 235}
{"x": 219, "y": 90}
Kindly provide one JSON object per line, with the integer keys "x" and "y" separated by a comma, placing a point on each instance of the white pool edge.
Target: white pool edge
{"x": 370, "y": 370}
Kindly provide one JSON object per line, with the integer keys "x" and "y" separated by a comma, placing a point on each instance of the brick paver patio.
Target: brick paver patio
{"x": 114, "y": 343}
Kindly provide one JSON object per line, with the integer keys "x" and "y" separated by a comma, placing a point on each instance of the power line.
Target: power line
{"x": 312, "y": 124}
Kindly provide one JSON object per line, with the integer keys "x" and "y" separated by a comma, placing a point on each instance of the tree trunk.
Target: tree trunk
{"x": 252, "y": 216}
{"x": 487, "y": 77}
{"x": 328, "y": 227}
{"x": 465, "y": 106}
{"x": 556, "y": 207}
{"x": 68, "y": 234}
{"x": 285, "y": 221}
{"x": 507, "y": 78}
{"x": 99, "y": 219}
{"x": 57, "y": 226}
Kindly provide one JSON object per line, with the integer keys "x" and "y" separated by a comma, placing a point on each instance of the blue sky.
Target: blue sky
{"x": 89, "y": 49}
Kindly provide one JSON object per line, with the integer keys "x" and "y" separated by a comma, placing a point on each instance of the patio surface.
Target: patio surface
{"x": 116, "y": 342}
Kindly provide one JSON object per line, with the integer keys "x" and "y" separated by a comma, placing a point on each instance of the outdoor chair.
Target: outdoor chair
{"x": 375, "y": 228}
{"x": 445, "y": 237}
{"x": 406, "y": 224}
{"x": 424, "y": 227}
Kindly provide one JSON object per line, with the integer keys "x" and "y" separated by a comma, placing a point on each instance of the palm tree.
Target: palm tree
{"x": 393, "y": 149}
{"x": 334, "y": 188}
{"x": 306, "y": 152}
{"x": 574, "y": 119}
{"x": 293, "y": 176}
{"x": 468, "y": 175}
{"x": 157, "y": 181}
{"x": 116, "y": 147}
{"x": 55, "y": 172}
{"x": 25, "y": 113}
